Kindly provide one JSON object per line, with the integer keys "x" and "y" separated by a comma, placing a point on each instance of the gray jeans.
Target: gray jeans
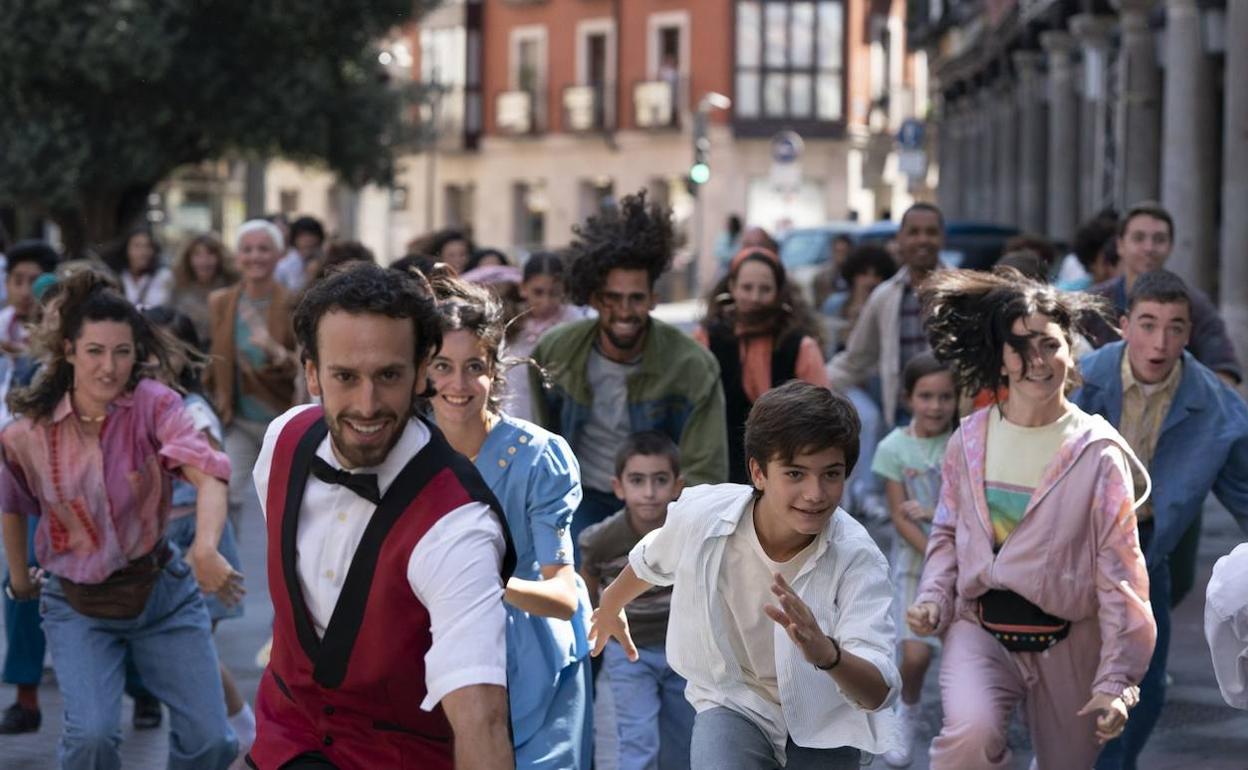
{"x": 242, "y": 444}
{"x": 726, "y": 740}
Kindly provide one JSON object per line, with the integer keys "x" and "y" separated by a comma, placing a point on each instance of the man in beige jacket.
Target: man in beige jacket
{"x": 890, "y": 330}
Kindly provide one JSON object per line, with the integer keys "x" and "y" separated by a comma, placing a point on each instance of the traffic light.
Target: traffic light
{"x": 700, "y": 171}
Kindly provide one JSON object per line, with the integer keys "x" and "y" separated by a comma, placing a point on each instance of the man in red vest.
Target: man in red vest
{"x": 387, "y": 554}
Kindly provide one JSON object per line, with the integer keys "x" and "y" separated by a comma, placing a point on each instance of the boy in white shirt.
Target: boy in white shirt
{"x": 780, "y": 607}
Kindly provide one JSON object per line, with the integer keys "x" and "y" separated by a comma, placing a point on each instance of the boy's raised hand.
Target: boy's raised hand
{"x": 800, "y": 624}
{"x": 603, "y": 626}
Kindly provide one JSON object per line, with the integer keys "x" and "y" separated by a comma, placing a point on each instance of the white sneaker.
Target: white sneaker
{"x": 244, "y": 725}
{"x": 908, "y": 716}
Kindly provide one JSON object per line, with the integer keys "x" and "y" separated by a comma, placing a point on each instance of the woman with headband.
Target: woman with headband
{"x": 763, "y": 334}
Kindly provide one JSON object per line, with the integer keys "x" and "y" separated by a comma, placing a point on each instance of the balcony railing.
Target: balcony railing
{"x": 657, "y": 104}
{"x": 586, "y": 108}
{"x": 518, "y": 113}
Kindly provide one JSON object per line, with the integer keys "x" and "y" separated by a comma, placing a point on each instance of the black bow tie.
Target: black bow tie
{"x": 363, "y": 484}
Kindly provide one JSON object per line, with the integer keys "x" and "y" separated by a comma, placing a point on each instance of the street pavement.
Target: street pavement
{"x": 1197, "y": 730}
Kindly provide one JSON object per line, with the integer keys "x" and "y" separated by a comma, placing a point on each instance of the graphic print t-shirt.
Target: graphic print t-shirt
{"x": 1017, "y": 459}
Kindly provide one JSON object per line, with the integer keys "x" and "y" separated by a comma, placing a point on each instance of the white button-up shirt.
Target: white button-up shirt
{"x": 1226, "y": 624}
{"x": 845, "y": 583}
{"x": 454, "y": 570}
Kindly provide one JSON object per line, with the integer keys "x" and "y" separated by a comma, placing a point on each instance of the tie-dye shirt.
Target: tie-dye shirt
{"x": 1017, "y": 457}
{"x": 103, "y": 500}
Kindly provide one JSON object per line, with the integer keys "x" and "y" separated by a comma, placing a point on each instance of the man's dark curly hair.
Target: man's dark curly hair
{"x": 630, "y": 236}
{"x": 361, "y": 288}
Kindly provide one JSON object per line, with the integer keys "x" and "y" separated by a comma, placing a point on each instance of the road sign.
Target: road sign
{"x": 786, "y": 147}
{"x": 910, "y": 136}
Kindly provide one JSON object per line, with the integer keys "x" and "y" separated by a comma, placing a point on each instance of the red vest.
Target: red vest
{"x": 354, "y": 695}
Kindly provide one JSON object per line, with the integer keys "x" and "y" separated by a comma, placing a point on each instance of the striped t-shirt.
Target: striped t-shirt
{"x": 1016, "y": 461}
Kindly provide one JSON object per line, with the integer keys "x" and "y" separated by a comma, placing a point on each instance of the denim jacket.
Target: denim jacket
{"x": 676, "y": 391}
{"x": 1203, "y": 444}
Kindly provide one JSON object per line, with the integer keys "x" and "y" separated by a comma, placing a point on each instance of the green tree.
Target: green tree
{"x": 101, "y": 99}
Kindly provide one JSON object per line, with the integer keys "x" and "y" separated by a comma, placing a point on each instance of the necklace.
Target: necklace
{"x": 85, "y": 418}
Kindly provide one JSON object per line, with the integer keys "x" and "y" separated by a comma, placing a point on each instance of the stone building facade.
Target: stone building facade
{"x": 1048, "y": 111}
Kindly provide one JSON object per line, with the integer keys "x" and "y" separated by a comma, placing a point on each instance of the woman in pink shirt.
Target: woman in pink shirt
{"x": 763, "y": 334}
{"x": 94, "y": 453}
{"x": 1034, "y": 575}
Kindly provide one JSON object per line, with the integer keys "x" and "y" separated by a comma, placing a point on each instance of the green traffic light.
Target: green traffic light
{"x": 700, "y": 173}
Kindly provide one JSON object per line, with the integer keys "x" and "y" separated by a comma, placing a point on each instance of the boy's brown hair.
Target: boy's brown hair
{"x": 797, "y": 418}
{"x": 650, "y": 443}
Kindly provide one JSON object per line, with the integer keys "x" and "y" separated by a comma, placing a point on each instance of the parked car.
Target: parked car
{"x": 972, "y": 245}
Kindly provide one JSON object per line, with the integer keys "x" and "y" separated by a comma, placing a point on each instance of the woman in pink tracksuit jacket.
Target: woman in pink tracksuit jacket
{"x": 1071, "y": 550}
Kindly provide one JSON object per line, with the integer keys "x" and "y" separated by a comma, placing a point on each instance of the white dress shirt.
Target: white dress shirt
{"x": 1226, "y": 624}
{"x": 453, "y": 570}
{"x": 845, "y": 584}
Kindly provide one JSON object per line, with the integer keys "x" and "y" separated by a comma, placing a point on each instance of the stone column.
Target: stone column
{"x": 1138, "y": 112}
{"x": 985, "y": 136}
{"x": 1063, "y": 190}
{"x": 1189, "y": 149}
{"x": 1234, "y": 263}
{"x": 966, "y": 154}
{"x": 1005, "y": 187}
{"x": 1032, "y": 141}
{"x": 947, "y": 193}
{"x": 1093, "y": 34}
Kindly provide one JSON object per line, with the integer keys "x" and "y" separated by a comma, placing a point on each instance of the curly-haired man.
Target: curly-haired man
{"x": 625, "y": 372}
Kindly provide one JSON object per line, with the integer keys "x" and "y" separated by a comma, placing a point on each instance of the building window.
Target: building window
{"x": 589, "y": 104}
{"x": 529, "y": 206}
{"x": 790, "y": 60}
{"x": 522, "y": 109}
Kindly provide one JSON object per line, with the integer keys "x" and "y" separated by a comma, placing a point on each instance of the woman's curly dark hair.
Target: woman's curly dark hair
{"x": 970, "y": 318}
{"x": 632, "y": 236}
{"x": 85, "y": 296}
{"x": 464, "y": 306}
{"x": 791, "y": 313}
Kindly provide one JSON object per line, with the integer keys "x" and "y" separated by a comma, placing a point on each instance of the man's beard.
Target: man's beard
{"x": 363, "y": 457}
{"x": 622, "y": 345}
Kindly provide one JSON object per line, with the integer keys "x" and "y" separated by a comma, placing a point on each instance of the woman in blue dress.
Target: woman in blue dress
{"x": 536, "y": 479}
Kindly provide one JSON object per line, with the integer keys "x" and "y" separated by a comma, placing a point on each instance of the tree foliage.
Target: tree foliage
{"x": 101, "y": 99}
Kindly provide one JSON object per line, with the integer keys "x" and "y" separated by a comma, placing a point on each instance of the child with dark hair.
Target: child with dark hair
{"x": 24, "y": 264}
{"x": 1034, "y": 578}
{"x": 816, "y": 695}
{"x": 542, "y": 288}
{"x": 909, "y": 460}
{"x": 652, "y": 717}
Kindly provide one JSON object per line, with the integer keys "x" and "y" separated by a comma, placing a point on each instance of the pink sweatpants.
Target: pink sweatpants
{"x": 981, "y": 682}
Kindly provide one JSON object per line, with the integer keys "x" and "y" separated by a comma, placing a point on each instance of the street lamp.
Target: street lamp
{"x": 700, "y": 173}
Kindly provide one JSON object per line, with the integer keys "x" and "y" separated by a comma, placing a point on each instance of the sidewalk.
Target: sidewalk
{"x": 1197, "y": 731}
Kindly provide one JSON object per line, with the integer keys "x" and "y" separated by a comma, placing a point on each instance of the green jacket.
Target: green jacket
{"x": 676, "y": 390}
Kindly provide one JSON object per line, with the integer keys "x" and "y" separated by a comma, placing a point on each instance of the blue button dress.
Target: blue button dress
{"x": 535, "y": 477}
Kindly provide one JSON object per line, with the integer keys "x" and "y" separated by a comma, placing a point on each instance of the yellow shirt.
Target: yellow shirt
{"x": 1144, "y": 409}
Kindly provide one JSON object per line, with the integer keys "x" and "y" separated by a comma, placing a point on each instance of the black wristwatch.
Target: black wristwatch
{"x": 835, "y": 662}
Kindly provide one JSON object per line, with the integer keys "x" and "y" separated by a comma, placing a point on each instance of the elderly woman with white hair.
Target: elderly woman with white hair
{"x": 252, "y": 376}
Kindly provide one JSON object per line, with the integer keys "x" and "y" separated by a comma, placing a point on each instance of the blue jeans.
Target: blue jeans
{"x": 173, "y": 652}
{"x": 595, "y": 506}
{"x": 726, "y": 740}
{"x": 23, "y": 655}
{"x": 1123, "y": 752}
{"x": 652, "y": 717}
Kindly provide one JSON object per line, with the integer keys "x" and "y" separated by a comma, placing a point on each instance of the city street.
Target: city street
{"x": 1197, "y": 731}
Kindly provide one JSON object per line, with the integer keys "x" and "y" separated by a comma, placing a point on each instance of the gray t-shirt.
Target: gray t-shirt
{"x": 604, "y": 555}
{"x": 608, "y": 425}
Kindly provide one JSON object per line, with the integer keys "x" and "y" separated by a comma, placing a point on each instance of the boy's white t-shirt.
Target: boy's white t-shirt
{"x": 744, "y": 588}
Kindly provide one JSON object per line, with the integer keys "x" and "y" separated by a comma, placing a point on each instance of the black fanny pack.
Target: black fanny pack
{"x": 1019, "y": 625}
